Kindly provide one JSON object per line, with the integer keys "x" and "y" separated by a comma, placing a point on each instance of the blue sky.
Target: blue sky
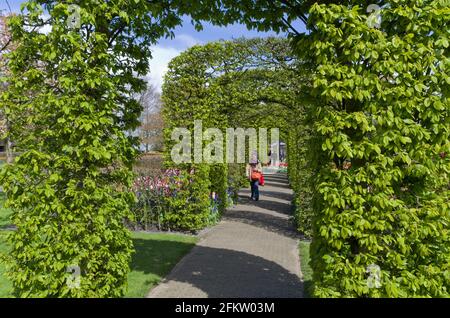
{"x": 185, "y": 37}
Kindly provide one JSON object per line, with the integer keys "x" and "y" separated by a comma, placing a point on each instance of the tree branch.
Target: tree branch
{"x": 290, "y": 26}
{"x": 299, "y": 13}
{"x": 6, "y": 45}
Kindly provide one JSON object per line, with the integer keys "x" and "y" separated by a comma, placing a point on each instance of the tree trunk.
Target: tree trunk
{"x": 9, "y": 151}
{"x": 8, "y": 147}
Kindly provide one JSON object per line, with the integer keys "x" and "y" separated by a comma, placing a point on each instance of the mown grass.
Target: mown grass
{"x": 155, "y": 256}
{"x": 306, "y": 268}
{"x": 5, "y": 284}
{"x": 5, "y": 214}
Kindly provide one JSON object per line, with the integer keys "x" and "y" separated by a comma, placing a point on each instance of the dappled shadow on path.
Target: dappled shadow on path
{"x": 279, "y": 207}
{"x": 272, "y": 212}
{"x": 280, "y": 185}
{"x": 270, "y": 222}
{"x": 265, "y": 202}
{"x": 276, "y": 177}
{"x": 253, "y": 253}
{"x": 276, "y": 195}
{"x": 253, "y": 276}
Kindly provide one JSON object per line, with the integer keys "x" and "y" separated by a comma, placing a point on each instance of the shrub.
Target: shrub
{"x": 166, "y": 202}
{"x": 381, "y": 195}
{"x": 152, "y": 192}
{"x": 69, "y": 104}
{"x": 190, "y": 208}
{"x": 236, "y": 180}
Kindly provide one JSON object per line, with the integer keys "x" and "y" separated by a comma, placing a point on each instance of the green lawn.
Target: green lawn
{"x": 4, "y": 213}
{"x": 5, "y": 285}
{"x": 156, "y": 255}
{"x": 306, "y": 269}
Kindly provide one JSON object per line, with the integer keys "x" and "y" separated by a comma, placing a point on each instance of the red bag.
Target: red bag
{"x": 256, "y": 175}
{"x": 261, "y": 180}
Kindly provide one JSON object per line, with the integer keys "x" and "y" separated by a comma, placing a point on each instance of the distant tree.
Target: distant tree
{"x": 5, "y": 38}
{"x": 5, "y": 47}
{"x": 150, "y": 131}
{"x": 69, "y": 189}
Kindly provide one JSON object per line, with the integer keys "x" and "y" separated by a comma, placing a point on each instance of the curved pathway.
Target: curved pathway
{"x": 251, "y": 253}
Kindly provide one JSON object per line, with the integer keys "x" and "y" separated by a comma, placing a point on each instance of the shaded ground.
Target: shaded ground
{"x": 252, "y": 253}
{"x": 156, "y": 254}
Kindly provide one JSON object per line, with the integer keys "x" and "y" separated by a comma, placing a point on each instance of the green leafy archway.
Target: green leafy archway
{"x": 227, "y": 84}
{"x": 380, "y": 140}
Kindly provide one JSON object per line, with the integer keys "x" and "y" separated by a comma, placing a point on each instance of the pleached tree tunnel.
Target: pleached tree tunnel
{"x": 364, "y": 108}
{"x": 245, "y": 84}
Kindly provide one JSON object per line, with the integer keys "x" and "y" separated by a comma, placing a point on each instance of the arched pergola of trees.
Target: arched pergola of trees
{"x": 227, "y": 84}
{"x": 379, "y": 137}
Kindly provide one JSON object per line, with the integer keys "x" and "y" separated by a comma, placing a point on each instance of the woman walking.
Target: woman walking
{"x": 254, "y": 173}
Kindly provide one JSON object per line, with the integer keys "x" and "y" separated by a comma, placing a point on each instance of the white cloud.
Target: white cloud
{"x": 159, "y": 64}
{"x": 46, "y": 29}
{"x": 162, "y": 55}
{"x": 187, "y": 40}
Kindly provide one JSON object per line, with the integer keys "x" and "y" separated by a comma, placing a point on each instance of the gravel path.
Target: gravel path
{"x": 251, "y": 253}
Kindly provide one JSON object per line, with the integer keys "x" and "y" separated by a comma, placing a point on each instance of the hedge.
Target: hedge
{"x": 381, "y": 126}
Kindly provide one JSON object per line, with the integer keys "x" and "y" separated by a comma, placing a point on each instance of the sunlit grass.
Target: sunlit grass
{"x": 156, "y": 255}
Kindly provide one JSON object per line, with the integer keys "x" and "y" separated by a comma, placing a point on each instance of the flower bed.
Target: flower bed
{"x": 153, "y": 192}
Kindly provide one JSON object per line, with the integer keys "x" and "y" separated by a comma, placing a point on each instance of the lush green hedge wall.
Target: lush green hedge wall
{"x": 382, "y": 129}
{"x": 236, "y": 180}
{"x": 70, "y": 105}
{"x": 300, "y": 173}
{"x": 182, "y": 95}
{"x": 219, "y": 184}
{"x": 208, "y": 83}
{"x": 189, "y": 209}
